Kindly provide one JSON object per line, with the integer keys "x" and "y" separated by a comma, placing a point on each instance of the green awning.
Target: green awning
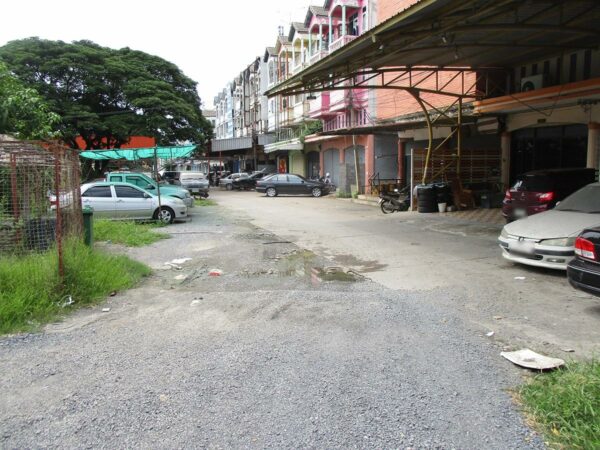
{"x": 133, "y": 154}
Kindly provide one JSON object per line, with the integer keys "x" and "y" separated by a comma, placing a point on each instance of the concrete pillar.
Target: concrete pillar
{"x": 593, "y": 143}
{"x": 330, "y": 31}
{"x": 369, "y": 160}
{"x": 343, "y": 20}
{"x": 301, "y": 51}
{"x": 321, "y": 162}
{"x": 401, "y": 159}
{"x": 320, "y": 37}
{"x": 505, "y": 160}
{"x": 310, "y": 42}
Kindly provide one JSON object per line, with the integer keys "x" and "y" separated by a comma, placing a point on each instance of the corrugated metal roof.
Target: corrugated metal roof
{"x": 226, "y": 145}
{"x": 461, "y": 33}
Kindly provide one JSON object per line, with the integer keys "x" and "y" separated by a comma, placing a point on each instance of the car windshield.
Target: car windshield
{"x": 586, "y": 200}
{"x": 191, "y": 176}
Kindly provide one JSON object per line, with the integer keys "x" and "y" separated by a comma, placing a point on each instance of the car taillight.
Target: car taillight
{"x": 585, "y": 248}
{"x": 546, "y": 197}
{"x": 508, "y": 196}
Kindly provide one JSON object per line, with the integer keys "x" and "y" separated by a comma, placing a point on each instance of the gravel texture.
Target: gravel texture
{"x": 264, "y": 356}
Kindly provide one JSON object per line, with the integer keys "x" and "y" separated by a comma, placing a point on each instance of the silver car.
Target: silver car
{"x": 547, "y": 239}
{"x": 195, "y": 182}
{"x": 126, "y": 201}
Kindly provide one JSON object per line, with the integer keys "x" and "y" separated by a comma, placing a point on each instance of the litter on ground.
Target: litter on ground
{"x": 215, "y": 273}
{"x": 105, "y": 309}
{"x": 532, "y": 360}
{"x": 181, "y": 260}
{"x": 520, "y": 278}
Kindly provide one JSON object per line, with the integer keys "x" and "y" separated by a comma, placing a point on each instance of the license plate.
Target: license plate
{"x": 522, "y": 247}
{"x": 519, "y": 212}
{"x": 195, "y": 189}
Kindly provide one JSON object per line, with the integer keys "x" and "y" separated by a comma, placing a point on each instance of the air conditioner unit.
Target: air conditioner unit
{"x": 533, "y": 82}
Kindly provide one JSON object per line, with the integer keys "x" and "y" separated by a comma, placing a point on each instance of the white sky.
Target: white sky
{"x": 210, "y": 40}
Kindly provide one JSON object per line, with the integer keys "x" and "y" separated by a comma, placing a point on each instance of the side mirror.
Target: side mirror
{"x": 150, "y": 186}
{"x": 146, "y": 195}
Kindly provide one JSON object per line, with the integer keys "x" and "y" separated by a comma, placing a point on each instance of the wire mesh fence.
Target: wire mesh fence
{"x": 40, "y": 202}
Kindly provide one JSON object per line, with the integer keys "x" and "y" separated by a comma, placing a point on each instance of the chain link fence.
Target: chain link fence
{"x": 40, "y": 202}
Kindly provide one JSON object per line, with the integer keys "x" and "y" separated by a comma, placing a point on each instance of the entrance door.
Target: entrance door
{"x": 331, "y": 162}
{"x": 312, "y": 165}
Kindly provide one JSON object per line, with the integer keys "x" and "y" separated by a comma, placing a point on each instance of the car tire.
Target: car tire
{"x": 229, "y": 186}
{"x": 164, "y": 214}
{"x": 316, "y": 192}
{"x": 271, "y": 192}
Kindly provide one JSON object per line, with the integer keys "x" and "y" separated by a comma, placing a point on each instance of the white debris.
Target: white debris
{"x": 181, "y": 260}
{"x": 105, "y": 309}
{"x": 181, "y": 277}
{"x": 174, "y": 266}
{"x": 490, "y": 334}
{"x": 195, "y": 302}
{"x": 532, "y": 360}
{"x": 520, "y": 278}
{"x": 568, "y": 350}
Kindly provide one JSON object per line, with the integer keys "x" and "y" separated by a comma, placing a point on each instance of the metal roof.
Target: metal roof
{"x": 476, "y": 34}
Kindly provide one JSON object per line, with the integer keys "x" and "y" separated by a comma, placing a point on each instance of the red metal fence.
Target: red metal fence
{"x": 40, "y": 202}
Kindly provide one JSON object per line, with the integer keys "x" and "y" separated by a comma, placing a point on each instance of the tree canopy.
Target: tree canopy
{"x": 23, "y": 113}
{"x": 106, "y": 95}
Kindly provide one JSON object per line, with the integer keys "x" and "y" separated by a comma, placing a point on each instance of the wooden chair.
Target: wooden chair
{"x": 463, "y": 198}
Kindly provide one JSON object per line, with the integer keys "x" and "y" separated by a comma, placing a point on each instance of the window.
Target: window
{"x": 137, "y": 181}
{"x": 116, "y": 178}
{"x": 573, "y": 68}
{"x": 534, "y": 69}
{"x": 128, "y": 192}
{"x": 353, "y": 25}
{"x": 294, "y": 179}
{"x": 546, "y": 67}
{"x": 587, "y": 64}
{"x": 365, "y": 25}
{"x": 98, "y": 191}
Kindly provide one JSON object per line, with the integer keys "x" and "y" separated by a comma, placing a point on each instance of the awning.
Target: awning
{"x": 458, "y": 34}
{"x": 290, "y": 145}
{"x": 231, "y": 144}
{"x": 133, "y": 154}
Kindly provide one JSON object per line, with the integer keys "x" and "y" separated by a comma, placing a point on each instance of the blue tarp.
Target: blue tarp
{"x": 133, "y": 154}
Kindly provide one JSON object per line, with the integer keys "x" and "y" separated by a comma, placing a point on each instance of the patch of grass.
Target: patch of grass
{"x": 129, "y": 233}
{"x": 204, "y": 202}
{"x": 31, "y": 292}
{"x": 566, "y": 405}
{"x": 342, "y": 194}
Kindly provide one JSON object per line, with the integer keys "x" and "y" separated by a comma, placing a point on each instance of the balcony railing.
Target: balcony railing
{"x": 340, "y": 42}
{"x": 318, "y": 56}
{"x": 298, "y": 67}
{"x": 361, "y": 118}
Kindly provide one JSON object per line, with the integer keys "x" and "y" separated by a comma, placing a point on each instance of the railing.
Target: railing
{"x": 317, "y": 56}
{"x": 378, "y": 184}
{"x": 340, "y": 42}
{"x": 341, "y": 121}
{"x": 298, "y": 67}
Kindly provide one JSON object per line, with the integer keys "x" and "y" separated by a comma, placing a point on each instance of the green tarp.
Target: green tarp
{"x": 133, "y": 154}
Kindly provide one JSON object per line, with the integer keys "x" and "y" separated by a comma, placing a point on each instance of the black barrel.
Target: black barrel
{"x": 426, "y": 198}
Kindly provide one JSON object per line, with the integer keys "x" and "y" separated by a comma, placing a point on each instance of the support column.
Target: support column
{"x": 320, "y": 37}
{"x": 343, "y": 20}
{"x": 401, "y": 159}
{"x": 593, "y": 143}
{"x": 301, "y": 51}
{"x": 369, "y": 161}
{"x": 505, "y": 159}
{"x": 310, "y": 42}
{"x": 330, "y": 32}
{"x": 321, "y": 162}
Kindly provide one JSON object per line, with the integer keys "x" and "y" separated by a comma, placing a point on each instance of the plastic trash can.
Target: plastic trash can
{"x": 88, "y": 226}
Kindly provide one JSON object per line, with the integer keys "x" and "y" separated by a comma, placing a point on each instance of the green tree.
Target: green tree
{"x": 23, "y": 113}
{"x": 106, "y": 95}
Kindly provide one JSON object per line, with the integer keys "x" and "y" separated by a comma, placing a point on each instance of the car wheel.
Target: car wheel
{"x": 271, "y": 192}
{"x": 387, "y": 207}
{"x": 229, "y": 186}
{"x": 316, "y": 192}
{"x": 164, "y": 214}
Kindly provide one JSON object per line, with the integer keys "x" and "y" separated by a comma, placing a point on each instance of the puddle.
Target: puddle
{"x": 364, "y": 266}
{"x": 335, "y": 274}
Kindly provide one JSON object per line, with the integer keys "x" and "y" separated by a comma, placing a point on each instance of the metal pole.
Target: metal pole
{"x": 157, "y": 182}
{"x": 459, "y": 138}
{"x": 59, "y": 246}
{"x": 356, "y": 175}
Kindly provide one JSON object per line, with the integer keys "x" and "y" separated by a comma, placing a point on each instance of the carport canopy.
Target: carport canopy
{"x": 134, "y": 154}
{"x": 455, "y": 35}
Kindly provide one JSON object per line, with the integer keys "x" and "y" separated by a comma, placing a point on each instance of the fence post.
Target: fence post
{"x": 57, "y": 182}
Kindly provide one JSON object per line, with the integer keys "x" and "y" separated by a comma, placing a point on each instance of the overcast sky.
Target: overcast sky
{"x": 210, "y": 40}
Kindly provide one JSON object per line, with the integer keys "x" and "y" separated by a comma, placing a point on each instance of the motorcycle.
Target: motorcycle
{"x": 391, "y": 202}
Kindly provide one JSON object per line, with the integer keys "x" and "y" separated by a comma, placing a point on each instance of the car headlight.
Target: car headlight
{"x": 187, "y": 194}
{"x": 178, "y": 201}
{"x": 560, "y": 242}
{"x": 504, "y": 234}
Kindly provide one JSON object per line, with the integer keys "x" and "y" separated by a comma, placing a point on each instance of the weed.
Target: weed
{"x": 204, "y": 202}
{"x": 566, "y": 405}
{"x": 129, "y": 233}
{"x": 31, "y": 292}
{"x": 342, "y": 194}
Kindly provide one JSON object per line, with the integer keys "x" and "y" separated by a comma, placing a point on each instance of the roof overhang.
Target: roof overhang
{"x": 232, "y": 144}
{"x": 475, "y": 34}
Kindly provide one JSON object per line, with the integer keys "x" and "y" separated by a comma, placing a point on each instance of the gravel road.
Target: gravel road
{"x": 278, "y": 352}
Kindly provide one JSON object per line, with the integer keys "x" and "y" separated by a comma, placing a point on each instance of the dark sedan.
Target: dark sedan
{"x": 247, "y": 183}
{"x": 287, "y": 183}
{"x": 584, "y": 270}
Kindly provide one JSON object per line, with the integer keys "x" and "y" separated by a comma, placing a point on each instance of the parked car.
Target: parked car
{"x": 247, "y": 182}
{"x": 171, "y": 177}
{"x": 116, "y": 200}
{"x": 149, "y": 185}
{"x": 540, "y": 190}
{"x": 547, "y": 239}
{"x": 584, "y": 270}
{"x": 227, "y": 182}
{"x": 291, "y": 184}
{"x": 195, "y": 182}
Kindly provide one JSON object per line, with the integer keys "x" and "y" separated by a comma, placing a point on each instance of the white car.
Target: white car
{"x": 547, "y": 239}
{"x": 125, "y": 201}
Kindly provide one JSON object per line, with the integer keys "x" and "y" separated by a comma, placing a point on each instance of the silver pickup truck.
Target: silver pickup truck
{"x": 195, "y": 182}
